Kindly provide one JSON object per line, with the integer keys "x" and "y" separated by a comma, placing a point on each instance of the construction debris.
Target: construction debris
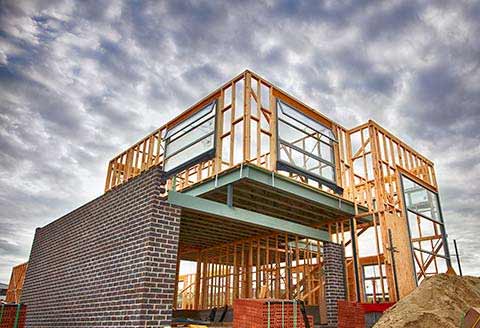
{"x": 439, "y": 301}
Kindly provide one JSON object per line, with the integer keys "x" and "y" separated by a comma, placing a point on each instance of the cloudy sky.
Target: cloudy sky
{"x": 81, "y": 81}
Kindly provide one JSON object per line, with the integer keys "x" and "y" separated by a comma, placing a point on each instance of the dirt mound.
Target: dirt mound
{"x": 439, "y": 301}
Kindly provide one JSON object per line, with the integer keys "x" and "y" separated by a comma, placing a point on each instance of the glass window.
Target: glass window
{"x": 288, "y": 113}
{"x": 189, "y": 153}
{"x": 305, "y": 144}
{"x": 190, "y": 137}
{"x": 193, "y": 137}
{"x": 193, "y": 120}
{"x": 424, "y": 221}
{"x": 420, "y": 199}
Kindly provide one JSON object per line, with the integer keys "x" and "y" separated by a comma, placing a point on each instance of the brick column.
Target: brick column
{"x": 111, "y": 262}
{"x": 334, "y": 268}
{"x": 159, "y": 275}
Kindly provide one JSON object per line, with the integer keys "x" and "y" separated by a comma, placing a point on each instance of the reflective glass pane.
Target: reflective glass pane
{"x": 309, "y": 143}
{"x": 286, "y": 110}
{"x": 328, "y": 172}
{"x": 305, "y": 143}
{"x": 420, "y": 199}
{"x": 189, "y": 153}
{"x": 413, "y": 223}
{"x": 192, "y": 120}
{"x": 289, "y": 133}
{"x": 305, "y": 162}
{"x": 326, "y": 152}
{"x": 190, "y": 137}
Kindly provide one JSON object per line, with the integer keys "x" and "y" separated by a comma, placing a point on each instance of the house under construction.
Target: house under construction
{"x": 269, "y": 197}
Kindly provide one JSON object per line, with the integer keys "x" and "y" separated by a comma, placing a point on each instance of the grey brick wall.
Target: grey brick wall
{"x": 109, "y": 263}
{"x": 334, "y": 266}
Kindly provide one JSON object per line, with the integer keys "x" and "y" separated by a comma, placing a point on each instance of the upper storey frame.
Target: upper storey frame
{"x": 248, "y": 129}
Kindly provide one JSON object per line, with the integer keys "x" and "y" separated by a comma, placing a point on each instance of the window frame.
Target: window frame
{"x": 440, "y": 222}
{"x": 283, "y": 165}
{"x": 206, "y": 155}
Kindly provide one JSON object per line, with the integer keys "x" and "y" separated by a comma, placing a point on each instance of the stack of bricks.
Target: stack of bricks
{"x": 254, "y": 313}
{"x": 8, "y": 313}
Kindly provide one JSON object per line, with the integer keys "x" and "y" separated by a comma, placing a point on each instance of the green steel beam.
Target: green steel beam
{"x": 277, "y": 181}
{"x": 245, "y": 216}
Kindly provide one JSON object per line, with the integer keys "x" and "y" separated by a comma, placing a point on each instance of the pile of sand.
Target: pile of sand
{"x": 439, "y": 301}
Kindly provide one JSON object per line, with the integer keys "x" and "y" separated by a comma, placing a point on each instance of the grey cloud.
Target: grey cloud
{"x": 443, "y": 100}
{"x": 392, "y": 21}
{"x": 336, "y": 13}
{"x": 366, "y": 77}
{"x": 9, "y": 248}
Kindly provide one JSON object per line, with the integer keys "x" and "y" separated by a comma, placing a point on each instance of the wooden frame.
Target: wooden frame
{"x": 278, "y": 265}
{"x": 15, "y": 287}
{"x": 368, "y": 163}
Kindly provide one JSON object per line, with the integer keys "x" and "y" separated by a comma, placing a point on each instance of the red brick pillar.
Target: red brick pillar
{"x": 334, "y": 268}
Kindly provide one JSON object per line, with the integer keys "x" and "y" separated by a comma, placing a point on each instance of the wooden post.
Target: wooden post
{"x": 257, "y": 270}
{"x": 321, "y": 295}
{"x": 273, "y": 131}
{"x": 197, "y": 281}
{"x": 227, "y": 277}
{"x": 249, "y": 270}
{"x": 246, "y": 117}
{"x": 277, "y": 268}
{"x": 175, "y": 290}
{"x": 205, "y": 284}
{"x": 353, "y": 229}
{"x": 235, "y": 273}
{"x": 219, "y": 131}
{"x": 288, "y": 267}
